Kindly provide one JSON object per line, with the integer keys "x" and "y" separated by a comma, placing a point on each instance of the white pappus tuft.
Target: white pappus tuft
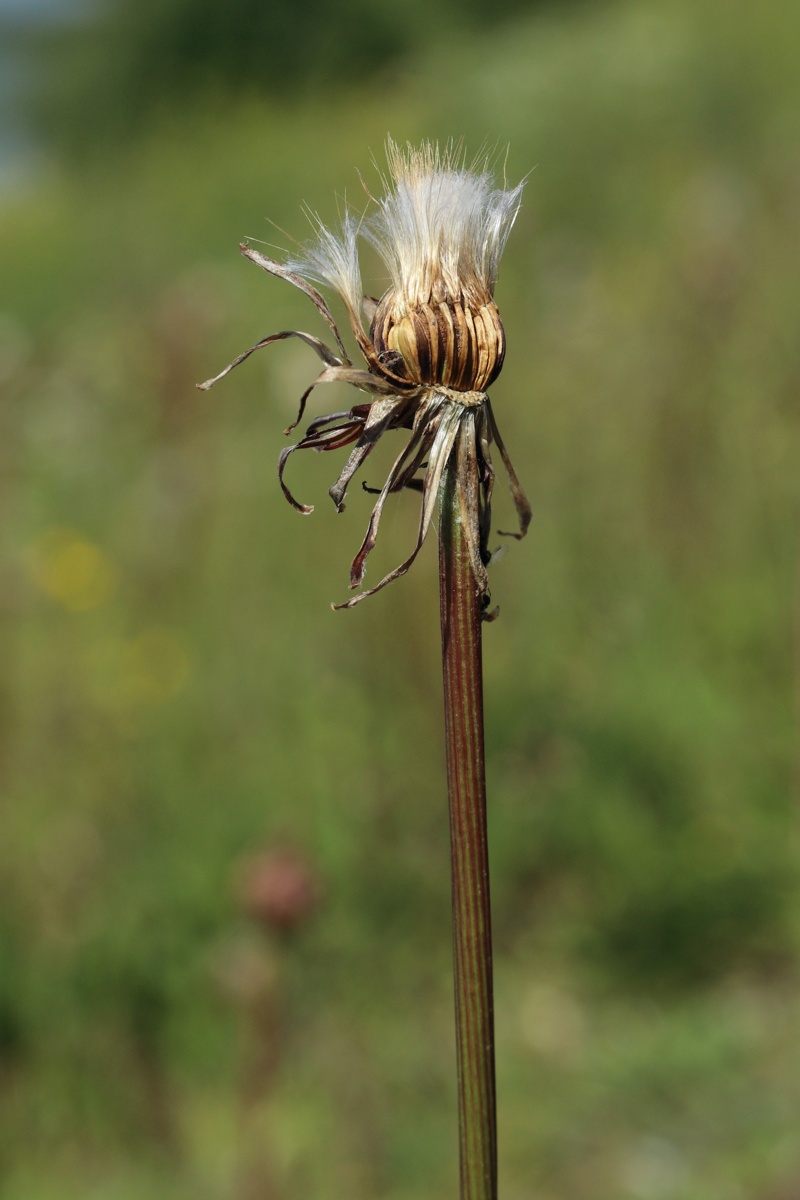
{"x": 441, "y": 227}
{"x": 333, "y": 260}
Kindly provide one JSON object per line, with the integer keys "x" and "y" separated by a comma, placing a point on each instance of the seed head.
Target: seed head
{"x": 435, "y": 341}
{"x": 441, "y": 343}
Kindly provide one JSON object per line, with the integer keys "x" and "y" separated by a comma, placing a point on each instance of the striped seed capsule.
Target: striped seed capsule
{"x": 443, "y": 342}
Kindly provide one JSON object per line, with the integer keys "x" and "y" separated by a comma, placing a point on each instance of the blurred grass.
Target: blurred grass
{"x": 176, "y": 692}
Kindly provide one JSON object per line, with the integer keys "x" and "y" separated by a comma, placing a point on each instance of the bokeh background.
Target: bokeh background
{"x": 224, "y": 934}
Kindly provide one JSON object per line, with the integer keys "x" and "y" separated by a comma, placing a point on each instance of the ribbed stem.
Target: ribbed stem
{"x": 472, "y": 933}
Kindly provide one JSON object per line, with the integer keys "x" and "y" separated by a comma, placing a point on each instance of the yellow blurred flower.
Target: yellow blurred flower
{"x": 71, "y": 570}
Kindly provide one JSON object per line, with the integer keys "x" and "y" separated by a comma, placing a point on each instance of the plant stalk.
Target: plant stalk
{"x": 466, "y": 778}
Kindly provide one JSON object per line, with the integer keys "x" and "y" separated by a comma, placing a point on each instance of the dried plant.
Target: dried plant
{"x": 435, "y": 344}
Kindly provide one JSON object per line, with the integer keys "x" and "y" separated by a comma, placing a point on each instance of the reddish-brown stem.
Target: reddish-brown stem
{"x": 472, "y": 934}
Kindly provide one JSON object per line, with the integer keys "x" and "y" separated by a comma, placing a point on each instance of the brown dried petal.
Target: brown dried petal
{"x": 521, "y": 501}
{"x": 405, "y": 466}
{"x": 340, "y": 374}
{"x": 320, "y": 438}
{"x": 447, "y": 425}
{"x": 357, "y": 456}
{"x": 384, "y": 414}
{"x": 325, "y": 353}
{"x": 277, "y": 269}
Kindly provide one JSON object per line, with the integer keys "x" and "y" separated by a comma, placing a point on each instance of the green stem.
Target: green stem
{"x": 472, "y": 932}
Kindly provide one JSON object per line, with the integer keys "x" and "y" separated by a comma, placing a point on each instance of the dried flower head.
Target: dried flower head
{"x": 435, "y": 343}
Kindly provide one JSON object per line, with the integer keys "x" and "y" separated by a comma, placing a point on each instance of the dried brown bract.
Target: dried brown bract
{"x": 435, "y": 343}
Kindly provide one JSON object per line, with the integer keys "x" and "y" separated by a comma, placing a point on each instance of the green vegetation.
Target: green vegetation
{"x": 177, "y": 694}
{"x": 102, "y": 74}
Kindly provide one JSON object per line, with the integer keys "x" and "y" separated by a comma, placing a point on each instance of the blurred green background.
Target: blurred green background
{"x": 180, "y": 705}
